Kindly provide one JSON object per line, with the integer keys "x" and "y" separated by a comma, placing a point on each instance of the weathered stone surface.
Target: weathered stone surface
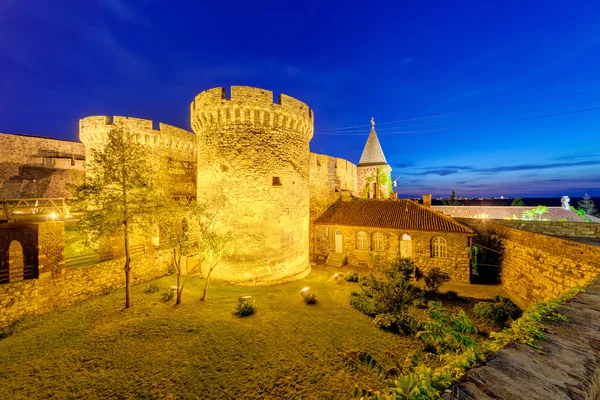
{"x": 568, "y": 367}
{"x": 556, "y": 228}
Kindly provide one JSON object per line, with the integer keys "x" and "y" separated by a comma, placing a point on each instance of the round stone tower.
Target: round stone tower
{"x": 256, "y": 153}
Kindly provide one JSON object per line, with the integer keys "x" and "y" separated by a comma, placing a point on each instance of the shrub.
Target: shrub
{"x": 168, "y": 295}
{"x": 434, "y": 279}
{"x": 500, "y": 312}
{"x": 244, "y": 308}
{"x": 152, "y": 288}
{"x": 310, "y": 298}
{"x": 419, "y": 300}
{"x": 451, "y": 295}
{"x": 396, "y": 322}
{"x": 171, "y": 269}
{"x": 363, "y": 303}
{"x": 351, "y": 276}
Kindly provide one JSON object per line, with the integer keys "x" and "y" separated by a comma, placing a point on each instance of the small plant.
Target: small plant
{"x": 109, "y": 289}
{"x": 351, "y": 276}
{"x": 153, "y": 288}
{"x": 500, "y": 312}
{"x": 362, "y": 303}
{"x": 167, "y": 295}
{"x": 434, "y": 279}
{"x": 398, "y": 322}
{"x": 244, "y": 308}
{"x": 310, "y": 298}
{"x": 171, "y": 269}
{"x": 419, "y": 300}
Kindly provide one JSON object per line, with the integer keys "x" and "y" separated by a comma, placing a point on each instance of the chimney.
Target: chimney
{"x": 427, "y": 200}
{"x": 565, "y": 202}
{"x": 346, "y": 195}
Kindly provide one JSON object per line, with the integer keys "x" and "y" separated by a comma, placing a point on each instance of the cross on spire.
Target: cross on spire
{"x": 372, "y": 122}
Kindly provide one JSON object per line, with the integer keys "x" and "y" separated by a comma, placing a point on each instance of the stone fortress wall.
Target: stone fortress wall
{"x": 175, "y": 146}
{"x": 32, "y": 167}
{"x": 256, "y": 153}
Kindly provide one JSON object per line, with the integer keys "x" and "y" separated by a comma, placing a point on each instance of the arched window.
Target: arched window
{"x": 438, "y": 247}
{"x": 406, "y": 246}
{"x": 378, "y": 241}
{"x": 362, "y": 241}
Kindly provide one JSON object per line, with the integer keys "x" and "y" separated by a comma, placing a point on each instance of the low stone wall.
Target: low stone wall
{"x": 536, "y": 267}
{"x": 555, "y": 228}
{"x": 567, "y": 368}
{"x": 41, "y": 295}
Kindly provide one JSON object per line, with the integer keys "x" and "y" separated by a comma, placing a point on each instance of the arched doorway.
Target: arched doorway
{"x": 338, "y": 241}
{"x": 15, "y": 262}
{"x": 406, "y": 246}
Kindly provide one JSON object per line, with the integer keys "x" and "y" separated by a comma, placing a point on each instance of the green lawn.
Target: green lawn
{"x": 288, "y": 349}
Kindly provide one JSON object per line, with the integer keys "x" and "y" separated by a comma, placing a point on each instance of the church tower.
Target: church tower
{"x": 373, "y": 172}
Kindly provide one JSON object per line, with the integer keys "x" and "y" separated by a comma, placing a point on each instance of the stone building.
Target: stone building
{"x": 369, "y": 232}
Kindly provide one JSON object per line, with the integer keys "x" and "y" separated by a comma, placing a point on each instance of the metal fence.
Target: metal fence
{"x": 17, "y": 274}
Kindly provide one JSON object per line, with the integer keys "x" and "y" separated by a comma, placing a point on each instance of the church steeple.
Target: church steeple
{"x": 372, "y": 153}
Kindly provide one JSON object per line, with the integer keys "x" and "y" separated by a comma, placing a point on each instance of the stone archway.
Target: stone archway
{"x": 15, "y": 262}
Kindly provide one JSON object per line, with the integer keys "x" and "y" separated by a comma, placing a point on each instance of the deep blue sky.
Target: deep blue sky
{"x": 473, "y": 81}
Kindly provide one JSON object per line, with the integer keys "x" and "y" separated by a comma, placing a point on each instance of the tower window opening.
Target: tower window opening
{"x": 277, "y": 181}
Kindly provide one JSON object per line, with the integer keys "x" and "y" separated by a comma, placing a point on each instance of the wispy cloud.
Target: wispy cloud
{"x": 123, "y": 11}
{"x": 527, "y": 167}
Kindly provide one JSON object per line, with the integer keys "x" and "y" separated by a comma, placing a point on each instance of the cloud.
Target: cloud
{"x": 442, "y": 170}
{"x": 461, "y": 182}
{"x": 123, "y": 11}
{"x": 528, "y": 167}
{"x": 407, "y": 60}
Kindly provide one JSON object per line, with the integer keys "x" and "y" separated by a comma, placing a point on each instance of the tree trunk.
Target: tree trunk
{"x": 206, "y": 284}
{"x": 179, "y": 290}
{"x": 127, "y": 266}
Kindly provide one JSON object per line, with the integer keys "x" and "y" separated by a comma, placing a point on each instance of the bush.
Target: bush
{"x": 363, "y": 303}
{"x": 351, "y": 276}
{"x": 451, "y": 295}
{"x": 168, "y": 295}
{"x": 434, "y": 279}
{"x": 396, "y": 322}
{"x": 171, "y": 269}
{"x": 310, "y": 298}
{"x": 419, "y": 300}
{"x": 152, "y": 288}
{"x": 500, "y": 312}
{"x": 244, "y": 308}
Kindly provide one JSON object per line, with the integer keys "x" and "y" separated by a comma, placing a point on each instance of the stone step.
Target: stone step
{"x": 335, "y": 260}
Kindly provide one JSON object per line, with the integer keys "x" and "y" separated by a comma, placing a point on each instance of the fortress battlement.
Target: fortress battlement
{"x": 250, "y": 106}
{"x": 93, "y": 130}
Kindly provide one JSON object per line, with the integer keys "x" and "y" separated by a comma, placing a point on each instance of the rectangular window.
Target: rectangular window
{"x": 277, "y": 181}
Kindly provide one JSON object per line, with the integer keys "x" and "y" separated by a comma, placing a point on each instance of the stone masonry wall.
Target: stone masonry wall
{"x": 39, "y": 167}
{"x": 555, "y": 228}
{"x": 538, "y": 267}
{"x": 456, "y": 264}
{"x": 328, "y": 177}
{"x": 256, "y": 152}
{"x": 41, "y": 295}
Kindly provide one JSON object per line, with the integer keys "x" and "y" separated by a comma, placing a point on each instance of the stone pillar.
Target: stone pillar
{"x": 51, "y": 249}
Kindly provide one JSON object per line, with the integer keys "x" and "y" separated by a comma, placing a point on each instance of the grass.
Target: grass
{"x": 287, "y": 349}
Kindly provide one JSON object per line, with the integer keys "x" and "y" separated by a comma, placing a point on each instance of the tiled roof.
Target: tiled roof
{"x": 400, "y": 214}
{"x": 505, "y": 212}
{"x": 592, "y": 218}
{"x": 372, "y": 153}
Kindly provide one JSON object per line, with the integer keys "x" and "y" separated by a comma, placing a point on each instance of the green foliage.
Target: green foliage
{"x": 310, "y": 298}
{"x": 500, "y": 312}
{"x": 167, "y": 295}
{"x": 382, "y": 178}
{"x": 351, "y": 276}
{"x": 244, "y": 308}
{"x": 363, "y": 303}
{"x": 581, "y": 213}
{"x": 474, "y": 253}
{"x": 529, "y": 328}
{"x": 153, "y": 288}
{"x": 434, "y": 279}
{"x": 399, "y": 322}
{"x": 534, "y": 213}
{"x": 517, "y": 201}
{"x": 445, "y": 332}
{"x": 587, "y": 205}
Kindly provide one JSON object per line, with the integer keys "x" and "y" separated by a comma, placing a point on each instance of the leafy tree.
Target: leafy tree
{"x": 517, "y": 201}
{"x": 174, "y": 225}
{"x": 452, "y": 200}
{"x": 117, "y": 192}
{"x": 531, "y": 215}
{"x": 213, "y": 247}
{"x": 587, "y": 205}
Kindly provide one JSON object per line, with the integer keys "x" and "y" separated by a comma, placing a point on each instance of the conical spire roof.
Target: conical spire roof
{"x": 372, "y": 153}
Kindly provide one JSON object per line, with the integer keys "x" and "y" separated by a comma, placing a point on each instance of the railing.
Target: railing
{"x": 12, "y": 209}
{"x": 17, "y": 274}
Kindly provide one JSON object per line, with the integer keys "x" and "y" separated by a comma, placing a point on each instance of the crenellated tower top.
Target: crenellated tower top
{"x": 250, "y": 106}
